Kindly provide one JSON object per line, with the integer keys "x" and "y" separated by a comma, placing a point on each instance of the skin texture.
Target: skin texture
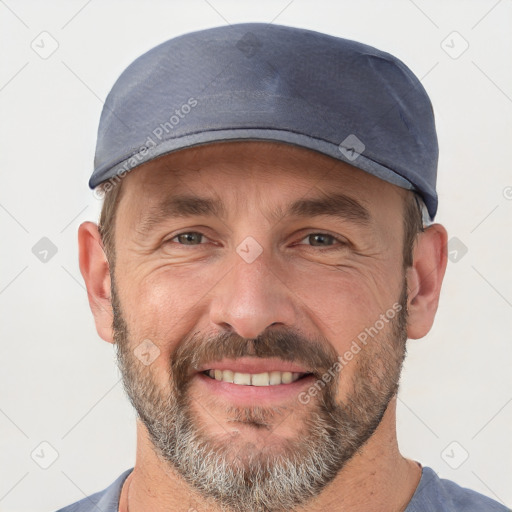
{"x": 297, "y": 288}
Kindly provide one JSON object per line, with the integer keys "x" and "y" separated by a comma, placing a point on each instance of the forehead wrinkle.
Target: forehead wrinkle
{"x": 185, "y": 205}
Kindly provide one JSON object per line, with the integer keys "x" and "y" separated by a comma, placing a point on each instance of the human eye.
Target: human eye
{"x": 187, "y": 238}
{"x": 318, "y": 239}
{"x": 324, "y": 240}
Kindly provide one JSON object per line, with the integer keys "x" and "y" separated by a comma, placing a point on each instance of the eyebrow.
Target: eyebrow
{"x": 335, "y": 205}
{"x": 340, "y": 206}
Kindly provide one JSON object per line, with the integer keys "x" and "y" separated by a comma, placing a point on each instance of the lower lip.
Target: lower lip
{"x": 254, "y": 395}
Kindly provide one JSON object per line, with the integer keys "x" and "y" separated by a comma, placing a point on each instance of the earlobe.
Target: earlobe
{"x": 94, "y": 268}
{"x": 424, "y": 279}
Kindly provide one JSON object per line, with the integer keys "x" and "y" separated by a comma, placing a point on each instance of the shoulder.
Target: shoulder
{"x": 435, "y": 494}
{"x": 106, "y": 500}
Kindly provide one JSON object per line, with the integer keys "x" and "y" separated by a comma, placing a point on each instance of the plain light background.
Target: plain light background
{"x": 58, "y": 381}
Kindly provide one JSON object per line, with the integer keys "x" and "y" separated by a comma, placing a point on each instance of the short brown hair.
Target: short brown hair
{"x": 413, "y": 222}
{"x": 112, "y": 196}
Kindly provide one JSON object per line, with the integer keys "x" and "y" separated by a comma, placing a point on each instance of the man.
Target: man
{"x": 264, "y": 252}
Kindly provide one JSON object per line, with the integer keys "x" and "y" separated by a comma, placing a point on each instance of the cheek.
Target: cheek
{"x": 343, "y": 302}
{"x": 164, "y": 307}
{"x": 158, "y": 313}
{"x": 165, "y": 299}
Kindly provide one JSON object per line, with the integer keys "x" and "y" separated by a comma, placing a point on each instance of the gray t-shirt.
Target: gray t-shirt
{"x": 433, "y": 494}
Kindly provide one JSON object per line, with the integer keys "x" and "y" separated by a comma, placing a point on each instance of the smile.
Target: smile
{"x": 272, "y": 378}
{"x": 251, "y": 381}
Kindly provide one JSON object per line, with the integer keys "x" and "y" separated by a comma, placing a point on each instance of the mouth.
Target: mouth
{"x": 272, "y": 378}
{"x": 253, "y": 381}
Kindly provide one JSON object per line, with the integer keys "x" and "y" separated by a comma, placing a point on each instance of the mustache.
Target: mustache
{"x": 287, "y": 345}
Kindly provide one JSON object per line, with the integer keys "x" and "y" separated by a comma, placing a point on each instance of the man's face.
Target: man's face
{"x": 258, "y": 288}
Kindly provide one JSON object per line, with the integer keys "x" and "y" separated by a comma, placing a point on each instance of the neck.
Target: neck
{"x": 378, "y": 477}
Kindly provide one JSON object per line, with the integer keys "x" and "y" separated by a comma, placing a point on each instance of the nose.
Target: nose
{"x": 251, "y": 297}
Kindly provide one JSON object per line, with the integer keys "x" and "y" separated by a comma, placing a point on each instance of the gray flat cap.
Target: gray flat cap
{"x": 256, "y": 81}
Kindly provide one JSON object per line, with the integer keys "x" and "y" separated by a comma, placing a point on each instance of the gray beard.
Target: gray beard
{"x": 236, "y": 475}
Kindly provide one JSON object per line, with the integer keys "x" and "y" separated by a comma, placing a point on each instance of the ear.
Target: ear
{"x": 95, "y": 271}
{"x": 424, "y": 279}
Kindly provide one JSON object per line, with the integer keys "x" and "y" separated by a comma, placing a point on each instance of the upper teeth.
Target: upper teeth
{"x": 255, "y": 379}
